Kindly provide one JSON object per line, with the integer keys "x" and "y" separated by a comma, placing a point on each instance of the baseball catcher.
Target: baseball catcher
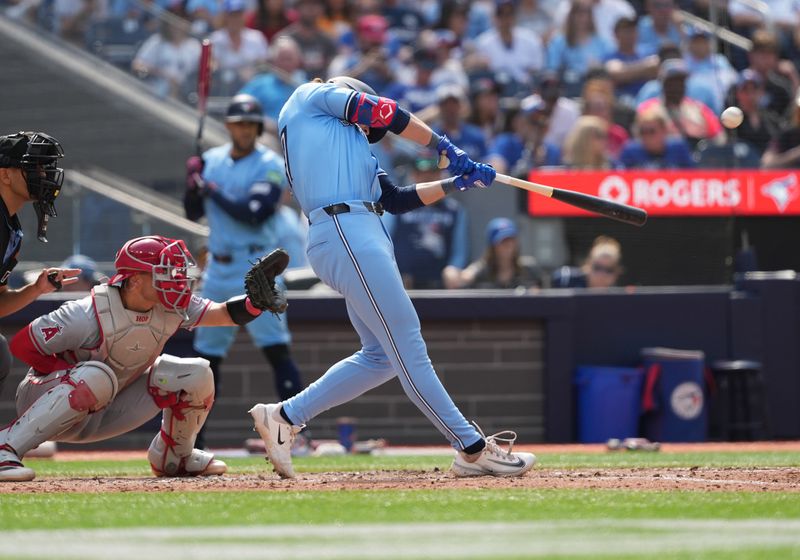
{"x": 97, "y": 370}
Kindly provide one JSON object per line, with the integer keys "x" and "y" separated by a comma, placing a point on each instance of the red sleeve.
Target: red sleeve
{"x": 24, "y": 348}
{"x": 712, "y": 122}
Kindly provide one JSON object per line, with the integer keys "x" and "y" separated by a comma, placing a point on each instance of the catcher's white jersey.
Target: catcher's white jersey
{"x": 98, "y": 327}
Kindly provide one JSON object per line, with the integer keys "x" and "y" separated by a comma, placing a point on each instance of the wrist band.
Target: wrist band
{"x": 434, "y": 142}
{"x": 449, "y": 185}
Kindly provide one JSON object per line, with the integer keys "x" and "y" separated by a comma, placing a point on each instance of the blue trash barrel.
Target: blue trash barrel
{"x": 674, "y": 399}
{"x": 609, "y": 400}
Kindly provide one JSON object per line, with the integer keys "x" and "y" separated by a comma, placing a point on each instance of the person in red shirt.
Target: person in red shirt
{"x": 688, "y": 117}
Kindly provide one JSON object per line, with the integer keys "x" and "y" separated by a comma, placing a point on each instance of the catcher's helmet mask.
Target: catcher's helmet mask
{"x": 171, "y": 264}
{"x": 245, "y": 108}
{"x": 375, "y": 134}
{"x": 39, "y": 165}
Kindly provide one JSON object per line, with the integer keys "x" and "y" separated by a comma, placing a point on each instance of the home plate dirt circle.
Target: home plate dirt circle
{"x": 696, "y": 478}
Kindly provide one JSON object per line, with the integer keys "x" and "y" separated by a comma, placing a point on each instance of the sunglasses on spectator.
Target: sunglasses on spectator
{"x": 601, "y": 269}
{"x": 648, "y": 130}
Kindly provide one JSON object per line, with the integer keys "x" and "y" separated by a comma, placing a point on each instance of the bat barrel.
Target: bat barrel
{"x": 614, "y": 210}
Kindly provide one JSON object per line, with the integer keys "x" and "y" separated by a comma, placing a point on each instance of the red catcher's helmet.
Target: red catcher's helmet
{"x": 168, "y": 260}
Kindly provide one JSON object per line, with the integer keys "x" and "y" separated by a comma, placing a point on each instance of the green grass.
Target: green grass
{"x": 255, "y": 465}
{"x": 139, "y": 509}
{"x": 431, "y": 523}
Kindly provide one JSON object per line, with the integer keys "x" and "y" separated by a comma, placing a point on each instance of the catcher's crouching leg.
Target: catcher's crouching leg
{"x": 55, "y": 403}
{"x": 184, "y": 388}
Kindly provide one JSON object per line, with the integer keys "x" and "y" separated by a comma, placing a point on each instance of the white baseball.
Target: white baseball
{"x": 732, "y": 117}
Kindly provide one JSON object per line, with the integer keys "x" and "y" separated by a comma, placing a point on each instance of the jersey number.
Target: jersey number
{"x": 284, "y": 145}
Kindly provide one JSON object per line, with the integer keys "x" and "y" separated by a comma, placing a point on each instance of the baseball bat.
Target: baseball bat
{"x": 203, "y": 87}
{"x": 614, "y": 210}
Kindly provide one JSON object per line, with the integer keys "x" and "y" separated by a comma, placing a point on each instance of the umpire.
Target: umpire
{"x": 29, "y": 172}
{"x": 238, "y": 187}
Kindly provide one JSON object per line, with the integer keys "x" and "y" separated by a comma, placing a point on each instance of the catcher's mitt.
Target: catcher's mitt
{"x": 259, "y": 282}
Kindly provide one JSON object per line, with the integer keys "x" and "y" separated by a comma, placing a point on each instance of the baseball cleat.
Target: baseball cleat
{"x": 11, "y": 468}
{"x": 44, "y": 450}
{"x": 493, "y": 460}
{"x": 278, "y": 437}
{"x": 199, "y": 463}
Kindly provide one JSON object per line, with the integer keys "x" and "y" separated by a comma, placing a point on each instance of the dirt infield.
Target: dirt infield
{"x": 698, "y": 479}
{"x": 786, "y": 479}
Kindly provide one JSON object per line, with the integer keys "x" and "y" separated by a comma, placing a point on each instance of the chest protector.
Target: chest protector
{"x": 131, "y": 340}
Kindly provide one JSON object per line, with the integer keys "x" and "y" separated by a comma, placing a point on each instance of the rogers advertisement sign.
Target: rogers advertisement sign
{"x": 677, "y": 193}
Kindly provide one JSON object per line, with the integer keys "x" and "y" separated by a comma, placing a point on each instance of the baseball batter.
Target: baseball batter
{"x": 29, "y": 172}
{"x": 97, "y": 370}
{"x": 238, "y": 187}
{"x": 326, "y": 130}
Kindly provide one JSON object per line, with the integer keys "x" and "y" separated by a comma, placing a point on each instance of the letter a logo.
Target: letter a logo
{"x": 49, "y": 332}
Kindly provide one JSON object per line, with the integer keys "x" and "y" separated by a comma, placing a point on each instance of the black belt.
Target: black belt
{"x": 227, "y": 259}
{"x": 343, "y": 207}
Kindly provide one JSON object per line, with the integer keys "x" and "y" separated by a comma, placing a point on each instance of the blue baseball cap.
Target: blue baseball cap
{"x": 88, "y": 267}
{"x": 499, "y": 229}
{"x": 749, "y": 76}
{"x": 234, "y": 6}
{"x": 693, "y": 31}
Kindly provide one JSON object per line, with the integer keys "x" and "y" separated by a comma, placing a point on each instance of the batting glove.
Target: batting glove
{"x": 459, "y": 162}
{"x": 481, "y": 176}
{"x": 194, "y": 171}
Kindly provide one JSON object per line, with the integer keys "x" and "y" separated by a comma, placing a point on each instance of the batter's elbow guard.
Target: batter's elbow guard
{"x": 241, "y": 310}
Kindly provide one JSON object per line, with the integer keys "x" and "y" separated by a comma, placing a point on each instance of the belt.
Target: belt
{"x": 343, "y": 207}
{"x": 227, "y": 259}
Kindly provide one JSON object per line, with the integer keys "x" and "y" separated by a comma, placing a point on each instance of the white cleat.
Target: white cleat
{"x": 278, "y": 437}
{"x": 493, "y": 460}
{"x": 11, "y": 468}
{"x": 45, "y": 450}
{"x": 198, "y": 463}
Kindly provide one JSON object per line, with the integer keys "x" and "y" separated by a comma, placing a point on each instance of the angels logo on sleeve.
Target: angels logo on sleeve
{"x": 49, "y": 332}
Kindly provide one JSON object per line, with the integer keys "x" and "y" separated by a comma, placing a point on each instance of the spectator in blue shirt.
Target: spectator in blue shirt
{"x": 653, "y": 148}
{"x": 627, "y": 66}
{"x": 273, "y": 88}
{"x": 431, "y": 245}
{"x": 524, "y": 147}
{"x": 658, "y": 27}
{"x": 708, "y": 68}
{"x": 578, "y": 49}
{"x": 422, "y": 93}
{"x": 453, "y": 109}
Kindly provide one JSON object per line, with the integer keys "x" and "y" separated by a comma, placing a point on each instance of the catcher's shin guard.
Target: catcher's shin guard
{"x": 184, "y": 388}
{"x": 74, "y": 395}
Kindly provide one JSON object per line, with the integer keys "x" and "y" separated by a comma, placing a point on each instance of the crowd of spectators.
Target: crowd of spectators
{"x": 521, "y": 84}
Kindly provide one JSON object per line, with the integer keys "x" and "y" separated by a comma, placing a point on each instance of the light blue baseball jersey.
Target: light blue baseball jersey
{"x": 328, "y": 159}
{"x": 259, "y": 172}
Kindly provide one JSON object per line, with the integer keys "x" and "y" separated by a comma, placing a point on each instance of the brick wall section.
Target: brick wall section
{"x": 492, "y": 369}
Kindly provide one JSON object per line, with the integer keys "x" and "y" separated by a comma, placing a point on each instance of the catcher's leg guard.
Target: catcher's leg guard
{"x": 184, "y": 388}
{"x": 74, "y": 395}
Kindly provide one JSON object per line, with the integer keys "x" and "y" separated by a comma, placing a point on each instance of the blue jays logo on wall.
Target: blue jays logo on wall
{"x": 782, "y": 191}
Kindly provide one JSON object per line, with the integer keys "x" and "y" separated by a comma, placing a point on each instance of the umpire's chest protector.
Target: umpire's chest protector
{"x": 130, "y": 341}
